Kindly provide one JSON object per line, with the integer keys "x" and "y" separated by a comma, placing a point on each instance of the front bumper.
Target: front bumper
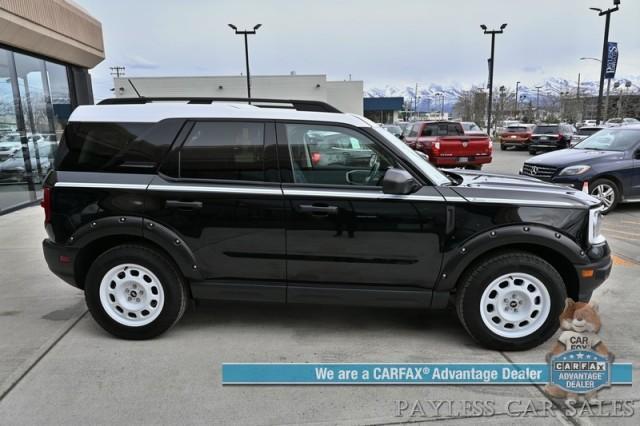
{"x": 61, "y": 260}
{"x": 592, "y": 275}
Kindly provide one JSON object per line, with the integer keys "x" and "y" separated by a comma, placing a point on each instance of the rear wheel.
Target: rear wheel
{"x": 511, "y": 301}
{"x": 503, "y": 147}
{"x": 532, "y": 151}
{"x": 135, "y": 292}
{"x": 606, "y": 191}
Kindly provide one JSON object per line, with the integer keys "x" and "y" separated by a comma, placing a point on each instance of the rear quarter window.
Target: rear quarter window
{"x": 97, "y": 146}
{"x": 116, "y": 147}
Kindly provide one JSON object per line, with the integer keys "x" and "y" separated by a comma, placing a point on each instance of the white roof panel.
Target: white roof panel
{"x": 157, "y": 111}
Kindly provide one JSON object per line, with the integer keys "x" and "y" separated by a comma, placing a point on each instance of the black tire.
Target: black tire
{"x": 474, "y": 282}
{"x": 170, "y": 279}
{"x": 532, "y": 151}
{"x": 503, "y": 147}
{"x": 598, "y": 183}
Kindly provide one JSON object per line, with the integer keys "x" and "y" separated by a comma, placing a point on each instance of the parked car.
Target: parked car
{"x": 393, "y": 129}
{"x": 608, "y": 162}
{"x": 471, "y": 128}
{"x": 615, "y": 122}
{"x": 583, "y": 133}
{"x": 517, "y": 136}
{"x": 589, "y": 123}
{"x": 447, "y": 145}
{"x": 151, "y": 204}
{"x": 13, "y": 167}
{"x": 548, "y": 137}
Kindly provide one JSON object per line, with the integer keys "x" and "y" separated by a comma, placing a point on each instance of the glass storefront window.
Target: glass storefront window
{"x": 35, "y": 104}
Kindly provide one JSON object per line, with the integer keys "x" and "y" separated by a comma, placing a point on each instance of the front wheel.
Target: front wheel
{"x": 511, "y": 301}
{"x": 135, "y": 292}
{"x": 607, "y": 192}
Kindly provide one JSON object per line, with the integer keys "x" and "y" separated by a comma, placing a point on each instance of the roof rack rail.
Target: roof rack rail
{"x": 299, "y": 105}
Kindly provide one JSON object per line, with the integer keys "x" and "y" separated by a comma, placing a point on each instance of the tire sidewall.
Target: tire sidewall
{"x": 170, "y": 282}
{"x": 473, "y": 295}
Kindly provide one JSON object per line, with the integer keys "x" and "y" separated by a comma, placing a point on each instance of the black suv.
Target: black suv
{"x": 154, "y": 203}
{"x": 547, "y": 137}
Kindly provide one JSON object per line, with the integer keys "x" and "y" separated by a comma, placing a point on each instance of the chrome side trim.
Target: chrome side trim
{"x": 454, "y": 199}
{"x": 255, "y": 190}
{"x": 101, "y": 185}
{"x": 361, "y": 195}
{"x": 522, "y": 202}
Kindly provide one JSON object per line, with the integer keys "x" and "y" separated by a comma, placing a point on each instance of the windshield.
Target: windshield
{"x": 396, "y": 130}
{"x": 471, "y": 127}
{"x": 611, "y": 140}
{"x": 587, "y": 131}
{"x": 546, "y": 130}
{"x": 434, "y": 175}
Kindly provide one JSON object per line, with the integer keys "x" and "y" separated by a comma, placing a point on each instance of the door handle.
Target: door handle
{"x": 313, "y": 209}
{"x": 183, "y": 204}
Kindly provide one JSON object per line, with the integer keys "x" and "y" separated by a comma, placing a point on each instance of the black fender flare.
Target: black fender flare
{"x": 456, "y": 260}
{"x": 160, "y": 235}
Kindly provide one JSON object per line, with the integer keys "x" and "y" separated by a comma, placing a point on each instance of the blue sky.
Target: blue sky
{"x": 396, "y": 43}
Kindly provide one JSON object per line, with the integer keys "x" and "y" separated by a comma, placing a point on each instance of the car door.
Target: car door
{"x": 635, "y": 191}
{"x": 341, "y": 229}
{"x": 220, "y": 192}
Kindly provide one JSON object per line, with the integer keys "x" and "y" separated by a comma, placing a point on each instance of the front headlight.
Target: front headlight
{"x": 595, "y": 223}
{"x": 575, "y": 170}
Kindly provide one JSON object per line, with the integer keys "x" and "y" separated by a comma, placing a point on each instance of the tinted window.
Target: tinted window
{"x": 334, "y": 156}
{"x": 516, "y": 129}
{"x": 96, "y": 146}
{"x": 546, "y": 130}
{"x": 216, "y": 150}
{"x": 414, "y": 131}
{"x": 442, "y": 129}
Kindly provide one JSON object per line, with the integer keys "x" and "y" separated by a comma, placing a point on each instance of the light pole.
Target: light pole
{"x": 245, "y": 33}
{"x": 538, "y": 101}
{"x": 517, "y": 86}
{"x": 605, "y": 48}
{"x": 493, "y": 43}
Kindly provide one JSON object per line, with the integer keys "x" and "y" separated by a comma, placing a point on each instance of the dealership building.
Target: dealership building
{"x": 46, "y": 50}
{"x": 344, "y": 95}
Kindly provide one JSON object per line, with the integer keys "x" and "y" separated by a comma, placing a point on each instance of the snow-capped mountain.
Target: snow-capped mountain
{"x": 428, "y": 100}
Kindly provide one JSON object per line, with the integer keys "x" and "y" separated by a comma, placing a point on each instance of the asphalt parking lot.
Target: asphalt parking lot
{"x": 58, "y": 367}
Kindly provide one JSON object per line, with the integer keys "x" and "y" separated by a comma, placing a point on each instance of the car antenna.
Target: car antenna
{"x": 134, "y": 87}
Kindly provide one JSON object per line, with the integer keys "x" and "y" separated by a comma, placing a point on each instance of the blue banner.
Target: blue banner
{"x": 399, "y": 374}
{"x": 612, "y": 60}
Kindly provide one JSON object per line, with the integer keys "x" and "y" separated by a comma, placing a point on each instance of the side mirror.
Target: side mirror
{"x": 637, "y": 155}
{"x": 399, "y": 182}
{"x": 401, "y": 137}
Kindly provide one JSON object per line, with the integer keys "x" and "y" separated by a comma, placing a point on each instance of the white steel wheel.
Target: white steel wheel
{"x": 515, "y": 305}
{"x": 605, "y": 193}
{"x": 131, "y": 295}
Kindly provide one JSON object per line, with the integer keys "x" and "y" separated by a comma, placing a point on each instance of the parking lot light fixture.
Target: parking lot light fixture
{"x": 491, "y": 60}
{"x": 245, "y": 33}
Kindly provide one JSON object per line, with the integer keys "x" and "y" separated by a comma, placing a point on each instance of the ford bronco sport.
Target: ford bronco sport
{"x": 151, "y": 204}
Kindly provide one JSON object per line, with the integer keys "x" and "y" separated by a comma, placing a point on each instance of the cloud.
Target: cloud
{"x": 139, "y": 62}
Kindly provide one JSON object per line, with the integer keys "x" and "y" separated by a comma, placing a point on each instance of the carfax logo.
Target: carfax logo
{"x": 580, "y": 372}
{"x": 579, "y": 362}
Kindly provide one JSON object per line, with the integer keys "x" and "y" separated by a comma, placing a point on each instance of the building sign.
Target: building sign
{"x": 612, "y": 60}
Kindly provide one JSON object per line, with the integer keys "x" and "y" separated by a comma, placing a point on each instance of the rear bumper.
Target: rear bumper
{"x": 592, "y": 275}
{"x": 60, "y": 260}
{"x": 455, "y": 161}
{"x": 515, "y": 142}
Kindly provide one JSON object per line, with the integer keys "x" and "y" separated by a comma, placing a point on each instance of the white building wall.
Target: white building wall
{"x": 344, "y": 95}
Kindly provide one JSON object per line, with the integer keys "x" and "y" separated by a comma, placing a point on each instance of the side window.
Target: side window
{"x": 430, "y": 130}
{"x": 335, "y": 156}
{"x": 414, "y": 130}
{"x": 224, "y": 150}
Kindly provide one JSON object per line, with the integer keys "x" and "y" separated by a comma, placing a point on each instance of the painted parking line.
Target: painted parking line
{"x": 619, "y": 261}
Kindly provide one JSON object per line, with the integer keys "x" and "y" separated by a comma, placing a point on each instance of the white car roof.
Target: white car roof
{"x": 156, "y": 111}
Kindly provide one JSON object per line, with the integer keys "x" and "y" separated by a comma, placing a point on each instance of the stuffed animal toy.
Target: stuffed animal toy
{"x": 580, "y": 324}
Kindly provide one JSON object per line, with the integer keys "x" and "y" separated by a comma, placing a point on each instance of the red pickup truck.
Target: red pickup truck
{"x": 447, "y": 145}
